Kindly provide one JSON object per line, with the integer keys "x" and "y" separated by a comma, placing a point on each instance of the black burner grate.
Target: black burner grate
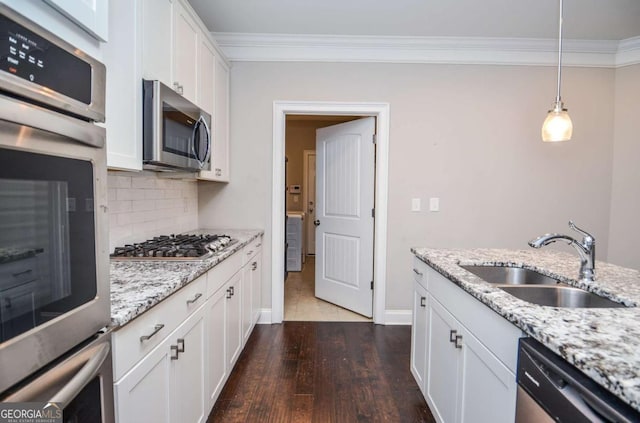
{"x": 174, "y": 246}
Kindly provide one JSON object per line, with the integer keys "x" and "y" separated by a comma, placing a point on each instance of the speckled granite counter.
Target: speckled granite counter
{"x": 604, "y": 343}
{"x": 8, "y": 255}
{"x": 136, "y": 286}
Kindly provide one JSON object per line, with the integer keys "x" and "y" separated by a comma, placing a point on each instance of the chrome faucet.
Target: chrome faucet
{"x": 586, "y": 249}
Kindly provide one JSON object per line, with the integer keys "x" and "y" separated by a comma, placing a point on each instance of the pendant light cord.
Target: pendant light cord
{"x": 558, "y": 100}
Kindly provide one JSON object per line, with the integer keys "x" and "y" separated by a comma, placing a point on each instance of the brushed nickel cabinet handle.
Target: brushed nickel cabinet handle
{"x": 452, "y": 335}
{"x": 180, "y": 345}
{"x": 422, "y": 301}
{"x": 174, "y": 349}
{"x": 254, "y": 265}
{"x": 250, "y": 252}
{"x": 156, "y": 329}
{"x": 417, "y": 272}
{"x": 24, "y": 272}
{"x": 457, "y": 341}
{"x": 229, "y": 293}
{"x": 194, "y": 299}
{"x": 258, "y": 245}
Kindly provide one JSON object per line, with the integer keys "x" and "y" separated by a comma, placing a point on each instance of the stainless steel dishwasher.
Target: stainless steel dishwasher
{"x": 552, "y": 390}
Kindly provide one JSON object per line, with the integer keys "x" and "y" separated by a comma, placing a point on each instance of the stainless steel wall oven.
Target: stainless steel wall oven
{"x": 54, "y": 283}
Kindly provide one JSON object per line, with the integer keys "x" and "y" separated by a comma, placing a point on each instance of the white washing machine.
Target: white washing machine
{"x": 295, "y": 241}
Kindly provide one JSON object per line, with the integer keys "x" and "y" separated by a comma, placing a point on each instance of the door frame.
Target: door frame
{"x": 305, "y": 196}
{"x": 280, "y": 111}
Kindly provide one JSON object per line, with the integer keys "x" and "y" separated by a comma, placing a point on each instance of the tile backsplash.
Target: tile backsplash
{"x": 144, "y": 204}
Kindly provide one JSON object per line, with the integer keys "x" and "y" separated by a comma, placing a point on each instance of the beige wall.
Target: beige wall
{"x": 299, "y": 136}
{"x": 625, "y": 193}
{"x": 469, "y": 135}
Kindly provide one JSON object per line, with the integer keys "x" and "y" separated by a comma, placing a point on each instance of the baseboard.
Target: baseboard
{"x": 265, "y": 317}
{"x": 397, "y": 317}
{"x": 391, "y": 317}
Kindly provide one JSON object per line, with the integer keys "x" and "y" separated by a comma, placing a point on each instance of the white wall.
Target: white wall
{"x": 467, "y": 134}
{"x": 625, "y": 192}
{"x": 145, "y": 204}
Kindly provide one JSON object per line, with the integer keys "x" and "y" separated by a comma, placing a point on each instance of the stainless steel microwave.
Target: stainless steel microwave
{"x": 175, "y": 132}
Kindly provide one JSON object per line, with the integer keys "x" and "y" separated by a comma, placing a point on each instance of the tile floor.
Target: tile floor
{"x": 300, "y": 303}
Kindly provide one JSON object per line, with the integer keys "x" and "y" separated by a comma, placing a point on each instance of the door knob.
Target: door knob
{"x": 316, "y": 222}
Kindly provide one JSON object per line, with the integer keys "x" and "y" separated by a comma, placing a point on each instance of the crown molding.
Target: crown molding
{"x": 628, "y": 52}
{"x": 250, "y": 47}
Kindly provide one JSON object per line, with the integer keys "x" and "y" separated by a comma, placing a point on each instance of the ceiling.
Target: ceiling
{"x": 583, "y": 19}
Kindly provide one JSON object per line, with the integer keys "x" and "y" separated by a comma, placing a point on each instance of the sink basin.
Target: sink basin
{"x": 510, "y": 275}
{"x": 560, "y": 296}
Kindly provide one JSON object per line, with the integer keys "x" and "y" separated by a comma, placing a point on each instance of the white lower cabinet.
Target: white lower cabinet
{"x": 463, "y": 355}
{"x": 167, "y": 385}
{"x": 171, "y": 363}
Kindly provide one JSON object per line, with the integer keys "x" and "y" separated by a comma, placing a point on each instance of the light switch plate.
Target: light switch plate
{"x": 434, "y": 204}
{"x": 415, "y": 205}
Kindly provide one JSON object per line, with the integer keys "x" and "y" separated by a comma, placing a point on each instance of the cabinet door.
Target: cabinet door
{"x": 189, "y": 370}
{"x": 247, "y": 313}
{"x": 206, "y": 77}
{"x": 220, "y": 163}
{"x": 488, "y": 388}
{"x": 185, "y": 53}
{"x": 143, "y": 394}
{"x": 444, "y": 364}
{"x": 234, "y": 319}
{"x": 419, "y": 336}
{"x": 217, "y": 363}
{"x": 157, "y": 40}
{"x": 256, "y": 287}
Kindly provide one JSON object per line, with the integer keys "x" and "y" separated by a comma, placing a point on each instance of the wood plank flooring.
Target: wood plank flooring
{"x": 324, "y": 372}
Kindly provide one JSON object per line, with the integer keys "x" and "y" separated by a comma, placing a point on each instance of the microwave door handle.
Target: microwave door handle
{"x": 88, "y": 363}
{"x": 22, "y": 113}
{"x": 196, "y": 129}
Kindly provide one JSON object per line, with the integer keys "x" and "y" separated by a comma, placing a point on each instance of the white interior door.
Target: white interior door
{"x": 345, "y": 175}
{"x": 310, "y": 206}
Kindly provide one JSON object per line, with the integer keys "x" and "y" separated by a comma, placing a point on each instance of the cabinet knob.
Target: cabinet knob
{"x": 452, "y": 335}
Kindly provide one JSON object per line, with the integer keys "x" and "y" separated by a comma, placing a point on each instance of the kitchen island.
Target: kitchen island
{"x": 604, "y": 343}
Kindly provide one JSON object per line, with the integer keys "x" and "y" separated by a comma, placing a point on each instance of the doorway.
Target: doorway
{"x": 317, "y": 287}
{"x": 283, "y": 109}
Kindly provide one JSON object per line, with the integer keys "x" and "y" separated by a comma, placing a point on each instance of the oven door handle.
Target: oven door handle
{"x": 86, "y": 366}
{"x": 22, "y": 113}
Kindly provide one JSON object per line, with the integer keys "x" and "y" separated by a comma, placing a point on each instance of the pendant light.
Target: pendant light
{"x": 557, "y": 126}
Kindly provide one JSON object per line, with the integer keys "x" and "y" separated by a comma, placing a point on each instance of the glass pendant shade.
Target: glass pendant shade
{"x": 557, "y": 126}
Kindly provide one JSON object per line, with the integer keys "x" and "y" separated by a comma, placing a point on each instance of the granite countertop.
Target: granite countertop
{"x": 604, "y": 343}
{"x": 136, "y": 286}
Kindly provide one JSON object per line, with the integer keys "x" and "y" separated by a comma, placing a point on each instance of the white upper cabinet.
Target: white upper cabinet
{"x": 163, "y": 40}
{"x": 157, "y": 39}
{"x": 92, "y": 16}
{"x": 206, "y": 77}
{"x": 185, "y": 53}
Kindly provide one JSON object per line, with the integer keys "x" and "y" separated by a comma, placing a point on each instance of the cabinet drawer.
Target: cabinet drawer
{"x": 222, "y": 272}
{"x": 420, "y": 271}
{"x": 251, "y": 249}
{"x": 16, "y": 301}
{"x": 136, "y": 339}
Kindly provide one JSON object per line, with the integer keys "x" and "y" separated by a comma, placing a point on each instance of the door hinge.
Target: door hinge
{"x": 372, "y": 285}
{"x": 373, "y": 212}
{"x": 375, "y": 138}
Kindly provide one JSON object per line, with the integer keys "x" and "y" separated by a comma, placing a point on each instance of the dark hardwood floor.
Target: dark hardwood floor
{"x": 323, "y": 372}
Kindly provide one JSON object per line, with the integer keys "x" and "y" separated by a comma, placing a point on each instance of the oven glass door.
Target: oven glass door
{"x": 47, "y": 238}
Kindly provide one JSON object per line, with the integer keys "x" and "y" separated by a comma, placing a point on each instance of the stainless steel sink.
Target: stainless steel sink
{"x": 560, "y": 296}
{"x": 510, "y": 275}
{"x": 536, "y": 288}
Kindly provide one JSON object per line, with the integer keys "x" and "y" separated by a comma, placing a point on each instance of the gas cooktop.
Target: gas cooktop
{"x": 174, "y": 247}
